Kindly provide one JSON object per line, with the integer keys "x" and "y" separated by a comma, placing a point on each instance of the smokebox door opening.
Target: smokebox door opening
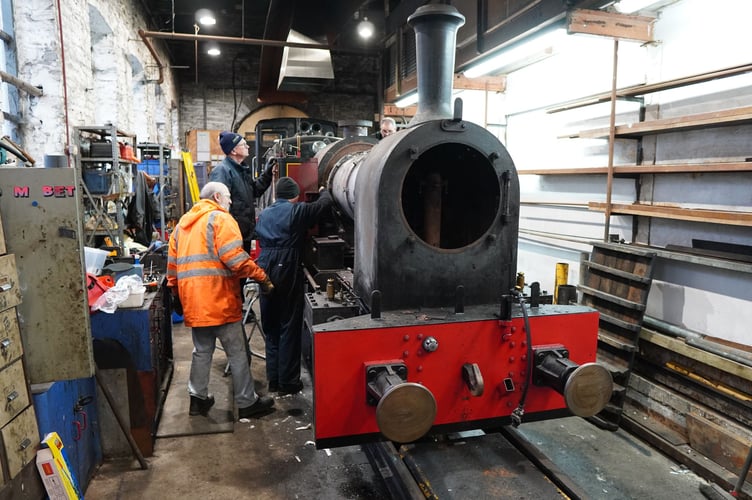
{"x": 450, "y": 196}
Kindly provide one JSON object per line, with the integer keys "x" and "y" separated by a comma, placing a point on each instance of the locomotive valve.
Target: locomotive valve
{"x": 405, "y": 411}
{"x": 586, "y": 388}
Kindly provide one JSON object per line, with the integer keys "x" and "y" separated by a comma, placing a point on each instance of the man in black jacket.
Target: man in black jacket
{"x": 238, "y": 177}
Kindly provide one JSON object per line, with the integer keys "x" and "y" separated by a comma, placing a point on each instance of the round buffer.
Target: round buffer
{"x": 588, "y": 389}
{"x": 406, "y": 412}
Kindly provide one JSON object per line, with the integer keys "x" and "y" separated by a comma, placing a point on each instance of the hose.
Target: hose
{"x": 520, "y": 410}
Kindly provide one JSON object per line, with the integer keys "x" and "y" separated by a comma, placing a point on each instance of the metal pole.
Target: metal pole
{"x": 611, "y": 137}
{"x": 121, "y": 422}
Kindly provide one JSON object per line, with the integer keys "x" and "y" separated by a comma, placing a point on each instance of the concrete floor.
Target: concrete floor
{"x": 273, "y": 458}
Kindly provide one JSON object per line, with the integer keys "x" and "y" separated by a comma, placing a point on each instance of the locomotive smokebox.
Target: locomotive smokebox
{"x": 436, "y": 206}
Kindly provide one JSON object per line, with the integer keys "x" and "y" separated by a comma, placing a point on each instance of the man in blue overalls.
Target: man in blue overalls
{"x": 281, "y": 232}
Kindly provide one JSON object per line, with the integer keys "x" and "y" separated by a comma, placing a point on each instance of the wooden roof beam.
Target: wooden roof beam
{"x": 610, "y": 24}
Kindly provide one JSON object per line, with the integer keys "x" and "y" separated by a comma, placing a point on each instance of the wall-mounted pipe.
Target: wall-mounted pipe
{"x": 696, "y": 340}
{"x": 187, "y": 37}
{"x": 153, "y": 52}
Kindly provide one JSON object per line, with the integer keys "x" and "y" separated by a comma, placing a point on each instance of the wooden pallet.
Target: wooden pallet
{"x": 616, "y": 282}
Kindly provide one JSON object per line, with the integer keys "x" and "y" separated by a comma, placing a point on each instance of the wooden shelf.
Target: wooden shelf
{"x": 677, "y": 213}
{"x": 640, "y": 90}
{"x": 727, "y": 117}
{"x": 745, "y": 166}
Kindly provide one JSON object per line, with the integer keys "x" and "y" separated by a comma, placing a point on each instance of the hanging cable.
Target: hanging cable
{"x": 195, "y": 49}
{"x": 520, "y": 410}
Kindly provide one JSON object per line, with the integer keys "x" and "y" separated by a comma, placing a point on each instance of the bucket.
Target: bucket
{"x": 567, "y": 295}
{"x": 95, "y": 259}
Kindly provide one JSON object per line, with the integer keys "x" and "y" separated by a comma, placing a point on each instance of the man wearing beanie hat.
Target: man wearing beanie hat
{"x": 244, "y": 189}
{"x": 281, "y": 231}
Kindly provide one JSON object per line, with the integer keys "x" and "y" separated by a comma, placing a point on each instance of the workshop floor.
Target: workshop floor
{"x": 273, "y": 457}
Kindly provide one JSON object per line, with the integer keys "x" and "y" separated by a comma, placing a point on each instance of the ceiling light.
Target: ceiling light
{"x": 213, "y": 49}
{"x": 205, "y": 17}
{"x": 406, "y": 100}
{"x": 519, "y": 55}
{"x": 366, "y": 28}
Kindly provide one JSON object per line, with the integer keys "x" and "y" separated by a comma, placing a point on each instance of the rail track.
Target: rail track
{"x": 476, "y": 465}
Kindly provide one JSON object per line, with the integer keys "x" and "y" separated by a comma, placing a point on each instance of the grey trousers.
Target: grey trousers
{"x": 233, "y": 342}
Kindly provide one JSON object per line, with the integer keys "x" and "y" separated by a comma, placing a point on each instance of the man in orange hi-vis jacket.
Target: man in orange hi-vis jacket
{"x": 204, "y": 264}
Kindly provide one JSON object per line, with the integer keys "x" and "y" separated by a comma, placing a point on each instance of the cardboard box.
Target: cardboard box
{"x": 55, "y": 471}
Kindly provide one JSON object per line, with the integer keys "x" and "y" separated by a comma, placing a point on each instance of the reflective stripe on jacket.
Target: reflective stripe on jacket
{"x": 206, "y": 261}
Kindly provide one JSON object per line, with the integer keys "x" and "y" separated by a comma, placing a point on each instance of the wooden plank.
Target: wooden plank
{"x": 702, "y": 372}
{"x": 392, "y": 110}
{"x": 617, "y": 272}
{"x": 736, "y": 116}
{"x": 488, "y": 83}
{"x": 700, "y": 400}
{"x": 656, "y": 424}
{"x": 624, "y": 325}
{"x": 610, "y": 24}
{"x": 693, "y": 460}
{"x": 745, "y": 166}
{"x": 615, "y": 299}
{"x": 689, "y": 214}
{"x": 615, "y": 342}
{"x": 617, "y": 366}
{"x": 639, "y": 250}
{"x": 680, "y": 347}
{"x": 718, "y": 444}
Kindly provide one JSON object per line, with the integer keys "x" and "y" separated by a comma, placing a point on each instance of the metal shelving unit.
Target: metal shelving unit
{"x": 106, "y": 167}
{"x": 162, "y": 153}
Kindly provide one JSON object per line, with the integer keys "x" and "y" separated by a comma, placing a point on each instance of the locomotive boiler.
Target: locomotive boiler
{"x": 415, "y": 323}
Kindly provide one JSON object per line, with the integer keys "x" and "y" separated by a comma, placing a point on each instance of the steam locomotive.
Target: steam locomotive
{"x": 415, "y": 320}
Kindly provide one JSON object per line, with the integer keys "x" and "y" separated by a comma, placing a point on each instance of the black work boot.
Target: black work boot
{"x": 200, "y": 406}
{"x": 285, "y": 389}
{"x": 262, "y": 406}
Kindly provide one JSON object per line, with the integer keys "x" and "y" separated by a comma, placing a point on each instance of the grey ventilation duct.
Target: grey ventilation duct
{"x": 304, "y": 70}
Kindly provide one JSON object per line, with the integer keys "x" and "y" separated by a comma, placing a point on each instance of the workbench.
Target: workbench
{"x": 138, "y": 340}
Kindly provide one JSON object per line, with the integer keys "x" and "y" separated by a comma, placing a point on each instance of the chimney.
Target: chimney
{"x": 435, "y": 44}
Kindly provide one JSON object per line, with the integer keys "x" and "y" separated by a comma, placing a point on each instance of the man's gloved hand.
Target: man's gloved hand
{"x": 271, "y": 165}
{"x": 266, "y": 286}
{"x": 177, "y": 306}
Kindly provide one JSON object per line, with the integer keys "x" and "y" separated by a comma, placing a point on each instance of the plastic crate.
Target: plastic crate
{"x": 97, "y": 180}
{"x": 201, "y": 176}
{"x": 151, "y": 167}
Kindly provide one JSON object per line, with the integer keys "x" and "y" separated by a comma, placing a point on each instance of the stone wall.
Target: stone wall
{"x": 109, "y": 76}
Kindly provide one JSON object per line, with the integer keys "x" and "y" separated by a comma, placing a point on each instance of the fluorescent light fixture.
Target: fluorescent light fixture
{"x": 366, "y": 28}
{"x": 630, "y": 6}
{"x": 213, "y": 49}
{"x": 205, "y": 17}
{"x": 516, "y": 55}
{"x": 407, "y": 100}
